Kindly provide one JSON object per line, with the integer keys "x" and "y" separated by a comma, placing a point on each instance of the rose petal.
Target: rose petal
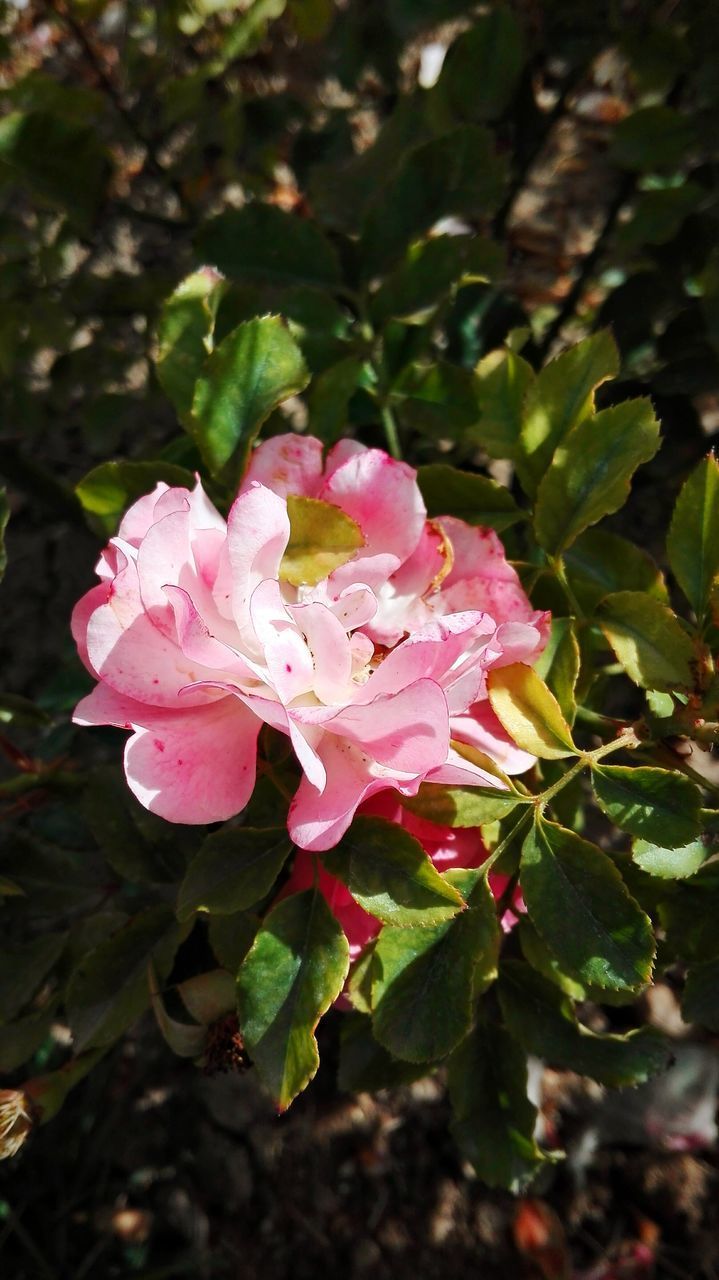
{"x": 196, "y": 766}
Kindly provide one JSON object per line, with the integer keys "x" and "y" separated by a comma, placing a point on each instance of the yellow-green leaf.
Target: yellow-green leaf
{"x": 530, "y": 712}
{"x": 646, "y": 636}
{"x": 322, "y": 537}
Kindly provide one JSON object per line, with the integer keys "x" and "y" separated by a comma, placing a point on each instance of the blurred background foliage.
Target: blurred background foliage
{"x": 564, "y": 157}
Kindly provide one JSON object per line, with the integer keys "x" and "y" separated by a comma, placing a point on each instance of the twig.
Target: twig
{"x": 589, "y": 262}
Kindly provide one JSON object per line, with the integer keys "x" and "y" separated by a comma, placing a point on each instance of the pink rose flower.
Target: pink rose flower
{"x": 195, "y": 643}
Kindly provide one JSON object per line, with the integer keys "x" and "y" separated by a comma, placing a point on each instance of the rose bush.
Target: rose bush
{"x": 198, "y": 633}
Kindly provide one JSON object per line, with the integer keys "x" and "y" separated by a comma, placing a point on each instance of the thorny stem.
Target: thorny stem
{"x": 668, "y": 759}
{"x": 627, "y": 741}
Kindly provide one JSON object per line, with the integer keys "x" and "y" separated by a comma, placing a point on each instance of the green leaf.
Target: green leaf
{"x": 652, "y": 139}
{"x": 700, "y": 1002}
{"x": 234, "y": 869}
{"x": 558, "y": 665}
{"x": 541, "y": 1018}
{"x": 461, "y": 806}
{"x": 438, "y": 399}
{"x": 538, "y": 955}
{"x": 4, "y": 517}
{"x": 263, "y": 243}
{"x": 391, "y": 876}
{"x": 658, "y": 215}
{"x": 482, "y": 66}
{"x": 42, "y": 151}
{"x": 475, "y": 499}
{"x": 231, "y": 937}
{"x": 364, "y": 1066}
{"x": 20, "y": 1040}
{"x": 504, "y": 378}
{"x": 426, "y": 979}
{"x": 654, "y": 804}
{"x": 494, "y": 1120}
{"x": 108, "y": 490}
{"x": 255, "y": 368}
{"x": 688, "y": 915}
{"x": 590, "y": 473}
{"x": 529, "y": 712}
{"x": 109, "y": 989}
{"x": 429, "y": 271}
{"x": 293, "y": 972}
{"x": 670, "y": 864}
{"x": 185, "y": 336}
{"x": 648, "y": 640}
{"x": 209, "y": 996}
{"x": 580, "y": 906}
{"x": 125, "y": 832}
{"x": 562, "y": 396}
{"x": 457, "y": 173}
{"x": 693, "y": 541}
{"x": 329, "y": 396}
{"x": 186, "y": 1039}
{"x": 600, "y": 562}
{"x": 322, "y": 537}
{"x": 23, "y": 968}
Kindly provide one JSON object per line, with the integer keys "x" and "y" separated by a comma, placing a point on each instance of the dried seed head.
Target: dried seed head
{"x": 224, "y": 1047}
{"x": 16, "y": 1121}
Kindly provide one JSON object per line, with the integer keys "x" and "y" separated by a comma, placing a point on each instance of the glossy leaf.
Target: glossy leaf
{"x": 541, "y": 1018}
{"x": 185, "y": 336}
{"x": 293, "y": 972}
{"x": 426, "y": 979}
{"x": 654, "y": 804}
{"x": 700, "y": 1001}
{"x": 654, "y": 650}
{"x": 263, "y": 243}
{"x": 456, "y": 173}
{"x": 42, "y": 151}
{"x": 461, "y": 806}
{"x": 591, "y": 470}
{"x": 109, "y": 988}
{"x": 693, "y": 541}
{"x": 322, "y": 537}
{"x": 580, "y": 906}
{"x": 493, "y": 1119}
{"x": 482, "y": 66}
{"x": 601, "y": 562}
{"x": 430, "y": 270}
{"x": 558, "y": 665}
{"x": 364, "y": 1065}
{"x": 21, "y": 1039}
{"x": 504, "y": 378}
{"x": 255, "y": 368}
{"x": 473, "y": 498}
{"x": 23, "y": 967}
{"x": 234, "y": 869}
{"x": 437, "y": 399}
{"x": 561, "y": 397}
{"x": 231, "y": 937}
{"x": 670, "y": 864}
{"x": 388, "y": 872}
{"x": 529, "y": 712}
{"x": 109, "y": 489}
{"x": 329, "y": 396}
{"x": 653, "y": 138}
